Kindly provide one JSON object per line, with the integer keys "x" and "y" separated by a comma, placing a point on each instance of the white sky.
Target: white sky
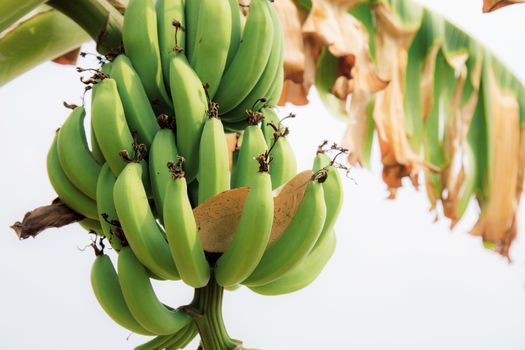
{"x": 396, "y": 281}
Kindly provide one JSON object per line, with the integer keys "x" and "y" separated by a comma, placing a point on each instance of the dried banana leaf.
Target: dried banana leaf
{"x": 492, "y": 5}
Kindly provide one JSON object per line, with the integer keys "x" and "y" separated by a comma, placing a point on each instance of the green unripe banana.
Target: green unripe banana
{"x": 183, "y": 235}
{"x": 91, "y": 225}
{"x": 109, "y": 124}
{"x": 333, "y": 192}
{"x": 214, "y": 176}
{"x": 137, "y": 108}
{"x": 163, "y": 150}
{"x": 106, "y": 207}
{"x": 74, "y": 155}
{"x": 267, "y": 80}
{"x": 246, "y": 166}
{"x": 296, "y": 241}
{"x": 106, "y": 287}
{"x": 190, "y": 103}
{"x": 141, "y": 44}
{"x": 305, "y": 272}
{"x": 251, "y": 58}
{"x": 140, "y": 225}
{"x": 142, "y": 300}
{"x": 251, "y": 236}
{"x": 66, "y": 191}
{"x": 170, "y": 14}
{"x": 212, "y": 41}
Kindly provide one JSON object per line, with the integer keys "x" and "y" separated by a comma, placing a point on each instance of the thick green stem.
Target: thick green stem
{"x": 98, "y": 18}
{"x": 206, "y": 310}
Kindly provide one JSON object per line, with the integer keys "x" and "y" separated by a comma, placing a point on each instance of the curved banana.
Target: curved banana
{"x": 142, "y": 300}
{"x": 139, "y": 224}
{"x": 74, "y": 155}
{"x": 214, "y": 176}
{"x": 107, "y": 214}
{"x": 267, "y": 80}
{"x": 66, "y": 191}
{"x": 236, "y": 31}
{"x": 163, "y": 150}
{"x": 106, "y": 286}
{"x": 170, "y": 21}
{"x": 212, "y": 42}
{"x": 141, "y": 44}
{"x": 284, "y": 165}
{"x": 190, "y": 103}
{"x": 137, "y": 108}
{"x": 251, "y": 58}
{"x": 95, "y": 148}
{"x": 109, "y": 124}
{"x": 270, "y": 116}
{"x": 183, "y": 235}
{"x": 296, "y": 241}
{"x": 251, "y": 236}
{"x": 191, "y": 15}
{"x": 305, "y": 272}
{"x": 332, "y": 190}
{"x": 246, "y": 166}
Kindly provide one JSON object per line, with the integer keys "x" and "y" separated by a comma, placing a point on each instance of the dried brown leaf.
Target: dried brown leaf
{"x": 497, "y": 220}
{"x": 217, "y": 218}
{"x": 69, "y": 58}
{"x": 393, "y": 41}
{"x": 492, "y": 5}
{"x": 294, "y": 56}
{"x": 57, "y": 214}
{"x": 293, "y": 93}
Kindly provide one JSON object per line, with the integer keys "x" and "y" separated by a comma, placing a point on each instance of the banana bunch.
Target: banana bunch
{"x": 160, "y": 114}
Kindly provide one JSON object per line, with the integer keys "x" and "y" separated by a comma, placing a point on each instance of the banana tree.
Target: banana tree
{"x": 406, "y": 70}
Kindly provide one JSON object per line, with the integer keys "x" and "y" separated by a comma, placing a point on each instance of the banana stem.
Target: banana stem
{"x": 207, "y": 314}
{"x": 98, "y": 18}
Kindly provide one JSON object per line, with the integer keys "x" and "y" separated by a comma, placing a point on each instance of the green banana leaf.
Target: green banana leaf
{"x": 27, "y": 44}
{"x": 12, "y": 10}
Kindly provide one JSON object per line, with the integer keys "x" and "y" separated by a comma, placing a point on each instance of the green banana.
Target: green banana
{"x": 190, "y": 103}
{"x": 251, "y": 58}
{"x": 213, "y": 160}
{"x": 236, "y": 31}
{"x": 107, "y": 214}
{"x": 139, "y": 224}
{"x": 270, "y": 116}
{"x": 252, "y": 234}
{"x": 296, "y": 241}
{"x": 182, "y": 232}
{"x": 171, "y": 24}
{"x": 137, "y": 108}
{"x": 141, "y": 299}
{"x": 163, "y": 150}
{"x": 212, "y": 42}
{"x": 305, "y": 272}
{"x": 246, "y": 166}
{"x": 109, "y": 124}
{"x": 141, "y": 44}
{"x": 74, "y": 155}
{"x": 191, "y": 15}
{"x": 267, "y": 80}
{"x": 66, "y": 191}
{"x": 332, "y": 190}
{"x": 95, "y": 148}
{"x": 106, "y": 286}
{"x": 91, "y": 225}
{"x": 283, "y": 166}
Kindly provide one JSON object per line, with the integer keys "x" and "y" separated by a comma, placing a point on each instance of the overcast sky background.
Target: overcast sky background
{"x": 397, "y": 280}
